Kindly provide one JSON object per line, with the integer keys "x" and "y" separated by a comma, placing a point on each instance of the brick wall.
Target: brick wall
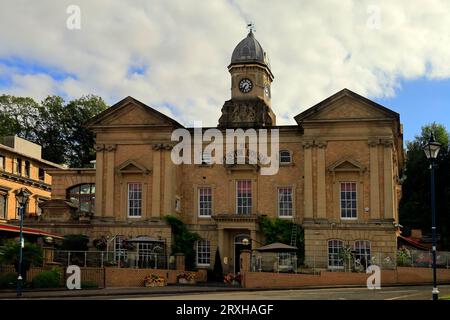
{"x": 402, "y": 275}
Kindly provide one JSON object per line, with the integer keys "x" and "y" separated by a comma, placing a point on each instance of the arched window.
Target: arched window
{"x": 83, "y": 196}
{"x": 285, "y": 157}
{"x": 335, "y": 260}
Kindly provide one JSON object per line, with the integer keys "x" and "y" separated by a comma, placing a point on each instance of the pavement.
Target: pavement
{"x": 188, "y": 292}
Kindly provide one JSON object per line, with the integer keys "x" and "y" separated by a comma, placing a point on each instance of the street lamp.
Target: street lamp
{"x": 22, "y": 199}
{"x": 431, "y": 150}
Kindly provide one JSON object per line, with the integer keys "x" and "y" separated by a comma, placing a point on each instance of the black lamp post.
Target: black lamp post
{"x": 22, "y": 199}
{"x": 431, "y": 151}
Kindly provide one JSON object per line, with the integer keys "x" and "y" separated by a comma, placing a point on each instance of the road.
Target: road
{"x": 387, "y": 293}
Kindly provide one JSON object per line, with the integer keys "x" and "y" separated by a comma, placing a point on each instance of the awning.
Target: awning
{"x": 277, "y": 247}
{"x": 37, "y": 232}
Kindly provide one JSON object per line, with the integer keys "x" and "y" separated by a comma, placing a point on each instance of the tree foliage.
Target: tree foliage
{"x": 415, "y": 204}
{"x": 280, "y": 230}
{"x": 54, "y": 124}
{"x": 32, "y": 254}
{"x": 183, "y": 240}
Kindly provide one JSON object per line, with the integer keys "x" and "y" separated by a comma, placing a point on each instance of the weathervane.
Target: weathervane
{"x": 251, "y": 27}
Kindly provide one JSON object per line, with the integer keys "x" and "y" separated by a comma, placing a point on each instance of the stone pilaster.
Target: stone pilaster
{"x": 388, "y": 180}
{"x": 374, "y": 179}
{"x": 99, "y": 171}
{"x": 110, "y": 150}
{"x": 308, "y": 186}
{"x": 321, "y": 183}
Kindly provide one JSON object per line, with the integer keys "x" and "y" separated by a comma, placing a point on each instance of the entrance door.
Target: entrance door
{"x": 238, "y": 247}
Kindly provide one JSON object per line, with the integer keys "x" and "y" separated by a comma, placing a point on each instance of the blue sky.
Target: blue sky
{"x": 420, "y": 102}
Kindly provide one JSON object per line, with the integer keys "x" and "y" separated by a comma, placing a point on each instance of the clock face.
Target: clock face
{"x": 245, "y": 85}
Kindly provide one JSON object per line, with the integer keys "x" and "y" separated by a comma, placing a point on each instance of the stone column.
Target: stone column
{"x": 308, "y": 187}
{"x": 169, "y": 184}
{"x": 388, "y": 181}
{"x": 253, "y": 237}
{"x": 374, "y": 180}
{"x": 156, "y": 182}
{"x": 99, "y": 171}
{"x": 321, "y": 183}
{"x": 109, "y": 188}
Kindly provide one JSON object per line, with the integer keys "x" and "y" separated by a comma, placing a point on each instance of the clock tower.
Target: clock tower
{"x": 251, "y": 79}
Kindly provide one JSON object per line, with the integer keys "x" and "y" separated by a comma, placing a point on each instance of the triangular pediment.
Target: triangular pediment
{"x": 346, "y": 105}
{"x": 346, "y": 164}
{"x": 131, "y": 166}
{"x": 131, "y": 112}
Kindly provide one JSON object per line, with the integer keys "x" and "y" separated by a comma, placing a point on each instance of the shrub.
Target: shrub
{"x": 47, "y": 279}
{"x": 8, "y": 280}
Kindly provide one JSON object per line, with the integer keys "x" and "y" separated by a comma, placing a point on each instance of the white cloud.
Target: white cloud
{"x": 182, "y": 49}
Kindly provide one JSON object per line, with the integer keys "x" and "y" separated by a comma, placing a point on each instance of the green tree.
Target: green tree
{"x": 415, "y": 207}
{"x": 280, "y": 230}
{"x": 183, "y": 240}
{"x": 54, "y": 124}
{"x": 31, "y": 255}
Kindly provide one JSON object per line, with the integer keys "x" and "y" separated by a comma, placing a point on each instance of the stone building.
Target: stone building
{"x": 338, "y": 175}
{"x": 22, "y": 166}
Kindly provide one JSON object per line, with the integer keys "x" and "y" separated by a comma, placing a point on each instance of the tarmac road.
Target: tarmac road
{"x": 386, "y": 293}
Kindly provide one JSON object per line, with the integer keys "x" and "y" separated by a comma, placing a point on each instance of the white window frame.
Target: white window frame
{"x": 203, "y": 253}
{"x": 366, "y": 254}
{"x": 247, "y": 210}
{"x": 334, "y": 254}
{"x": 199, "y": 202}
{"x": 280, "y": 215}
{"x": 2, "y": 162}
{"x": 5, "y": 196}
{"x": 128, "y": 200}
{"x": 355, "y": 200}
{"x": 290, "y": 156}
{"x": 120, "y": 253}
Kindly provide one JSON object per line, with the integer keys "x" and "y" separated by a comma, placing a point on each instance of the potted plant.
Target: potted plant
{"x": 186, "y": 277}
{"x": 154, "y": 280}
{"x": 233, "y": 280}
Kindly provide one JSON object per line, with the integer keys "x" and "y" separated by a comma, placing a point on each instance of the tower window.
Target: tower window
{"x": 285, "y": 157}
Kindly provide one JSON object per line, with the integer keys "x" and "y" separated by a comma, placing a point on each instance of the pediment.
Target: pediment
{"x": 346, "y": 105}
{"x": 131, "y": 166}
{"x": 131, "y": 112}
{"x": 346, "y": 165}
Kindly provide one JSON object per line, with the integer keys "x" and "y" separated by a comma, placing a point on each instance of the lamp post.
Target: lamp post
{"x": 431, "y": 150}
{"x": 22, "y": 199}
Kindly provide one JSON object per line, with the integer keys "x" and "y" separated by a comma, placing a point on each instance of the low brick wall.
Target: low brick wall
{"x": 402, "y": 275}
{"x": 127, "y": 277}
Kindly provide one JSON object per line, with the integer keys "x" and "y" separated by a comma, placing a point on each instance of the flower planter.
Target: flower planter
{"x": 155, "y": 284}
{"x": 186, "y": 281}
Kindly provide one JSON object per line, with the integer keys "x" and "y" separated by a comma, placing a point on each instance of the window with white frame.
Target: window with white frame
{"x": 285, "y": 258}
{"x": 348, "y": 200}
{"x": 134, "y": 199}
{"x": 203, "y": 253}
{"x": 244, "y": 197}
{"x": 335, "y": 260}
{"x": 362, "y": 252}
{"x": 285, "y": 202}
{"x": 285, "y": 157}
{"x": 204, "y": 202}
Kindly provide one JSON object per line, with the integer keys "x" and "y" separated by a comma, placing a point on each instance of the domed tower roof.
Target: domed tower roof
{"x": 249, "y": 50}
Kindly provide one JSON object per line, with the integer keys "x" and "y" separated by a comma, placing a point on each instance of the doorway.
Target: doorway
{"x": 238, "y": 247}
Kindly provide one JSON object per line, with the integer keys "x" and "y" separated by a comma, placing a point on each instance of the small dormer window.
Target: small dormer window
{"x": 285, "y": 157}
